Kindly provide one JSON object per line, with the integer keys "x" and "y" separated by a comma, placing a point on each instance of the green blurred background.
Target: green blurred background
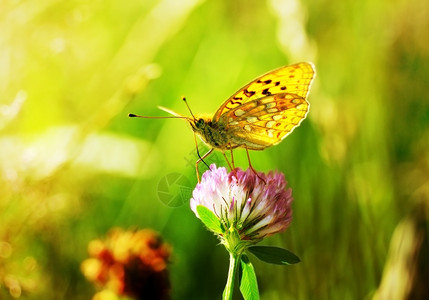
{"x": 73, "y": 165}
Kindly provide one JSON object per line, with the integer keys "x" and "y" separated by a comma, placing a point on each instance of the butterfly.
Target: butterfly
{"x": 259, "y": 115}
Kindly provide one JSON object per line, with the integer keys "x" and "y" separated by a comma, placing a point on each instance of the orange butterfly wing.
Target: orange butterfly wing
{"x": 266, "y": 110}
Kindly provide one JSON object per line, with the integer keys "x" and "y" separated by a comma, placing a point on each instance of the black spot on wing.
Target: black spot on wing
{"x": 248, "y": 93}
{"x": 266, "y": 92}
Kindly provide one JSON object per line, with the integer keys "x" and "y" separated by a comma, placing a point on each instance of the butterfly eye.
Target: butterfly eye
{"x": 200, "y": 123}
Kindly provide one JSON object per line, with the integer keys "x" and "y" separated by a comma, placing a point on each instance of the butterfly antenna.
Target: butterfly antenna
{"x": 187, "y": 105}
{"x": 155, "y": 117}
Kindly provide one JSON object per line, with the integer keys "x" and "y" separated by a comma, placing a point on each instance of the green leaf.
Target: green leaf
{"x": 274, "y": 255}
{"x": 248, "y": 281}
{"x": 209, "y": 219}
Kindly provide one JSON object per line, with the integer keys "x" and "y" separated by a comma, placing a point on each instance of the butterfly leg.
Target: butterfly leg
{"x": 232, "y": 165}
{"x": 227, "y": 161}
{"x": 251, "y": 167}
{"x": 198, "y": 152}
{"x": 232, "y": 159}
{"x": 201, "y": 159}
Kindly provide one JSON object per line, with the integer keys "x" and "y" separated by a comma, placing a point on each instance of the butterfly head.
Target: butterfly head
{"x": 199, "y": 123}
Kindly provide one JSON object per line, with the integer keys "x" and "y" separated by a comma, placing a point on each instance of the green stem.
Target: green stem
{"x": 234, "y": 262}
